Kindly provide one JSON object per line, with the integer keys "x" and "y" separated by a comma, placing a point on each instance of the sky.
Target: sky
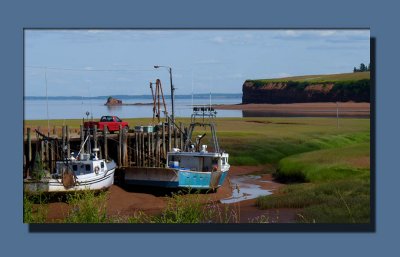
{"x": 121, "y": 62}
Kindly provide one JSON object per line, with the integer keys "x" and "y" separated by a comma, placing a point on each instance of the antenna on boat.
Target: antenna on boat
{"x": 210, "y": 99}
{"x": 192, "y": 89}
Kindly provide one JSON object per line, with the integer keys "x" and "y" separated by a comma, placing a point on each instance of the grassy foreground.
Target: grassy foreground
{"x": 327, "y": 168}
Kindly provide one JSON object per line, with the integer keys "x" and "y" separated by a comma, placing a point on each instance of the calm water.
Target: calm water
{"x": 76, "y": 109}
{"x": 244, "y": 189}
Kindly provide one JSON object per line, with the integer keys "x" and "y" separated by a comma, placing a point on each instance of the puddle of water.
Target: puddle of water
{"x": 243, "y": 189}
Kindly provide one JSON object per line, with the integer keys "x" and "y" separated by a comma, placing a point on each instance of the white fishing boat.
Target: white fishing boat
{"x": 85, "y": 171}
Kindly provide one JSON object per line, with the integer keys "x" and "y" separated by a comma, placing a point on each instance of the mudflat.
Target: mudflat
{"x": 124, "y": 202}
{"x": 348, "y": 109}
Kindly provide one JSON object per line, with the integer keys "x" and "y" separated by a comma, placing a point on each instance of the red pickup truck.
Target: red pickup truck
{"x": 112, "y": 122}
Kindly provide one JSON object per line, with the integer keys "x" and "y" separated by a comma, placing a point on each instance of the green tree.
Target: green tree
{"x": 363, "y": 67}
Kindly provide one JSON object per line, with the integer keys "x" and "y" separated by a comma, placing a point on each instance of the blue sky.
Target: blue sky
{"x": 115, "y": 62}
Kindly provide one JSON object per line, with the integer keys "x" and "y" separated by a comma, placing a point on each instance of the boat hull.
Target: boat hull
{"x": 100, "y": 181}
{"x": 174, "y": 178}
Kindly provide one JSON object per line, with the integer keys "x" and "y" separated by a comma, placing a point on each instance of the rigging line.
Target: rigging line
{"x": 77, "y": 69}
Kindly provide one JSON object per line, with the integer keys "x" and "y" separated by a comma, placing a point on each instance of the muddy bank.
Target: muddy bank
{"x": 125, "y": 201}
{"x": 345, "y": 109}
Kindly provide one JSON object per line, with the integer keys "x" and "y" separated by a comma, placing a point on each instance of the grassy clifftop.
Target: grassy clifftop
{"x": 317, "y": 79}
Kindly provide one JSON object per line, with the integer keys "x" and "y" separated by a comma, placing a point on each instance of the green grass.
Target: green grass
{"x": 87, "y": 207}
{"x": 336, "y": 201}
{"x": 330, "y": 78}
{"x": 35, "y": 208}
{"x": 326, "y": 165}
{"x": 190, "y": 208}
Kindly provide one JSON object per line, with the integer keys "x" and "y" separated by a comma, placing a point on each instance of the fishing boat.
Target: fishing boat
{"x": 194, "y": 166}
{"x": 197, "y": 167}
{"x": 83, "y": 171}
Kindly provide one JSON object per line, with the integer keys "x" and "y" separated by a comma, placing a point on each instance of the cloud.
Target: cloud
{"x": 323, "y": 34}
{"x": 208, "y": 61}
{"x": 218, "y": 40}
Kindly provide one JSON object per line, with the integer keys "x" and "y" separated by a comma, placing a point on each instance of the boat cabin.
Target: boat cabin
{"x": 198, "y": 161}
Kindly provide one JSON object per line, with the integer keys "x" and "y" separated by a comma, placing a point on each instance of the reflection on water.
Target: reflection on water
{"x": 244, "y": 189}
{"x": 114, "y": 108}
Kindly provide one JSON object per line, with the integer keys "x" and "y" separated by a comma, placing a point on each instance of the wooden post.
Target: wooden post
{"x": 119, "y": 146}
{"x": 143, "y": 151}
{"x": 28, "y": 131}
{"x": 175, "y": 139}
{"x": 139, "y": 147}
{"x": 82, "y": 137}
{"x": 52, "y": 155}
{"x": 63, "y": 136}
{"x": 157, "y": 149}
{"x": 42, "y": 150}
{"x": 68, "y": 144}
{"x": 163, "y": 139}
{"x": 105, "y": 129}
{"x": 95, "y": 136}
{"x": 136, "y": 149}
{"x": 148, "y": 149}
{"x": 169, "y": 135}
{"x": 54, "y": 130}
{"x": 47, "y": 154}
{"x": 89, "y": 139}
{"x": 125, "y": 148}
{"x": 29, "y": 141}
{"x": 181, "y": 136}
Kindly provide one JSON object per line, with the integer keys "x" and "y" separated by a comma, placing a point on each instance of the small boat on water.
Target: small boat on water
{"x": 85, "y": 171}
{"x": 193, "y": 167}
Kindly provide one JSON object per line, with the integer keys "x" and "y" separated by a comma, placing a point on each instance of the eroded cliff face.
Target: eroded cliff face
{"x": 291, "y": 92}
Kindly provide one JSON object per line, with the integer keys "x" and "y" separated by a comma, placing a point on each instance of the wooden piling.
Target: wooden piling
{"x": 42, "y": 150}
{"x": 175, "y": 139}
{"x": 28, "y": 131}
{"x": 105, "y": 129}
{"x": 88, "y": 144}
{"x": 180, "y": 136}
{"x": 119, "y": 152}
{"x": 143, "y": 151}
{"x": 82, "y": 134}
{"x": 163, "y": 140}
{"x": 125, "y": 148}
{"x": 169, "y": 135}
{"x": 148, "y": 149}
{"x": 136, "y": 149}
{"x": 52, "y": 156}
{"x": 63, "y": 137}
{"x": 157, "y": 149}
{"x": 47, "y": 156}
{"x": 95, "y": 136}
{"x": 68, "y": 143}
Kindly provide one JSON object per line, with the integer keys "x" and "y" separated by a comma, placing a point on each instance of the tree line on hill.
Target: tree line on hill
{"x": 363, "y": 68}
